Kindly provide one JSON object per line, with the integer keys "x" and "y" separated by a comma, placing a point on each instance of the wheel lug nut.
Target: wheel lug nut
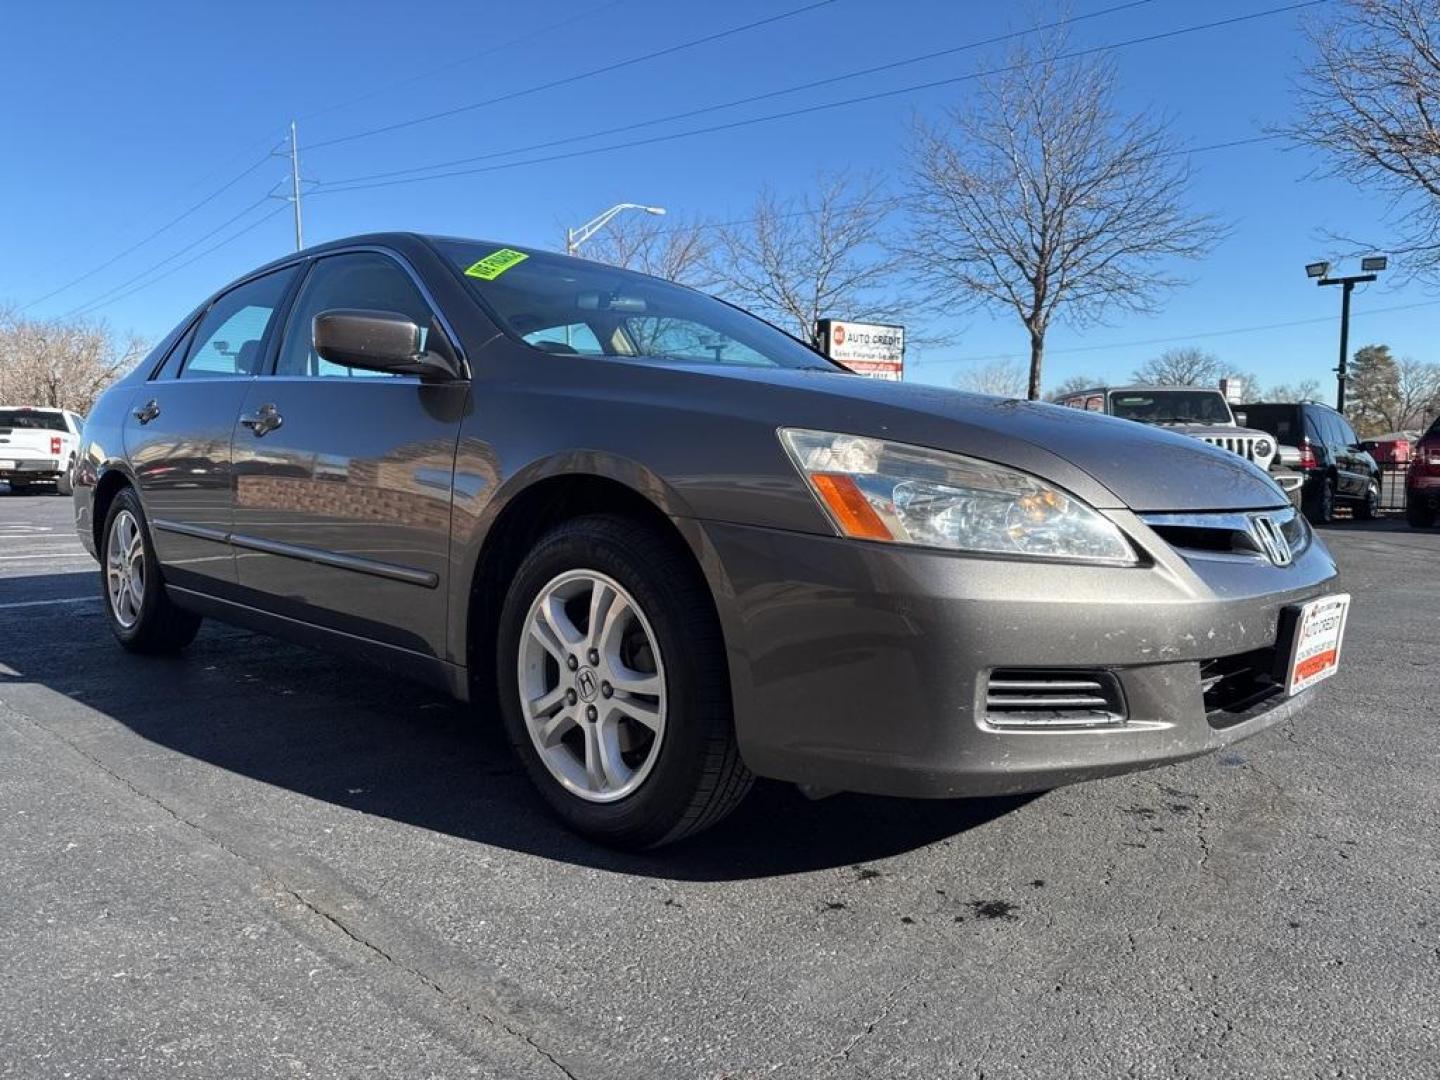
{"x": 590, "y": 712}
{"x": 594, "y": 658}
{"x": 606, "y": 689}
{"x": 571, "y": 662}
{"x": 570, "y": 697}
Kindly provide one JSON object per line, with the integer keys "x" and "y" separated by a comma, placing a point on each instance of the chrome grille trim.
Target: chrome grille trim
{"x": 1228, "y": 534}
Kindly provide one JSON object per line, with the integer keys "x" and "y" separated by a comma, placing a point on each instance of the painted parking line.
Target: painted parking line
{"x": 50, "y": 555}
{"x": 44, "y": 603}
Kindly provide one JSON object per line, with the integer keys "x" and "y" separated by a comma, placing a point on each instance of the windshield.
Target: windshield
{"x": 563, "y": 306}
{"x": 1171, "y": 406}
{"x": 32, "y": 418}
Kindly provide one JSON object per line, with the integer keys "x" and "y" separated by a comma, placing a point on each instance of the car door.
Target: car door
{"x": 1354, "y": 470}
{"x": 343, "y": 476}
{"x": 177, "y": 434}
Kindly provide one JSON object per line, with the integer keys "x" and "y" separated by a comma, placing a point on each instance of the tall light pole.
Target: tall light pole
{"x": 575, "y": 237}
{"x": 1372, "y": 265}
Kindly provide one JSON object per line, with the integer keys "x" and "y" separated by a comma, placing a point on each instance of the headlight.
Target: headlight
{"x": 878, "y": 490}
{"x": 1262, "y": 448}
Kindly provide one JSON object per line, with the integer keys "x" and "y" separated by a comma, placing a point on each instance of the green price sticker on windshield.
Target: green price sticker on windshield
{"x": 495, "y": 264}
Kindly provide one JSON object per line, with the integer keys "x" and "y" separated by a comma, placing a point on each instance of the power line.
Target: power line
{"x": 821, "y": 107}
{"x": 567, "y": 80}
{"x": 96, "y": 301}
{"x": 151, "y": 236}
{"x": 194, "y": 259}
{"x": 431, "y": 71}
{"x": 1232, "y": 331}
{"x": 752, "y": 99}
{"x": 889, "y": 204}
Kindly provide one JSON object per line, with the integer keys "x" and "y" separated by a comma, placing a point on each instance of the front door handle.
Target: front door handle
{"x": 266, "y": 419}
{"x": 147, "y": 412}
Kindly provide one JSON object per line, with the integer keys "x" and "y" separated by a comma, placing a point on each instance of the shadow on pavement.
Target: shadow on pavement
{"x": 332, "y": 730}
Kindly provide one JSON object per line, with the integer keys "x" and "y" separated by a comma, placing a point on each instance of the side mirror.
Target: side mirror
{"x": 384, "y": 341}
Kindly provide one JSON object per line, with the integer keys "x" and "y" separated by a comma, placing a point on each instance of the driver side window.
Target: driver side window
{"x": 362, "y": 280}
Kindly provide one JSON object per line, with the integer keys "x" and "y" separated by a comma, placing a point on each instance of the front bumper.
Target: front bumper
{"x": 866, "y": 667}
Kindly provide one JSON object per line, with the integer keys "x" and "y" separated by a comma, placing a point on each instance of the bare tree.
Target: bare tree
{"x": 818, "y": 256}
{"x": 1004, "y": 378}
{"x": 1181, "y": 367}
{"x": 60, "y": 364}
{"x": 1417, "y": 394}
{"x": 1370, "y": 102}
{"x": 1073, "y": 384}
{"x": 665, "y": 248}
{"x": 1304, "y": 390}
{"x": 1044, "y": 200}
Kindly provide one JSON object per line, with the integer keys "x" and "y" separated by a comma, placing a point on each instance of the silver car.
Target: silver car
{"x": 674, "y": 548}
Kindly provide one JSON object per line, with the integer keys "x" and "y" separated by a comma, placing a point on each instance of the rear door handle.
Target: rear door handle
{"x": 266, "y": 419}
{"x": 147, "y": 412}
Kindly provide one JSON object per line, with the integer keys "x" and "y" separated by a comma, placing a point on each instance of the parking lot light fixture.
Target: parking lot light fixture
{"x": 575, "y": 237}
{"x": 1372, "y": 265}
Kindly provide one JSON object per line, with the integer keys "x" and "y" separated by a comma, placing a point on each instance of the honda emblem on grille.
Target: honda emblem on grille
{"x": 1271, "y": 539}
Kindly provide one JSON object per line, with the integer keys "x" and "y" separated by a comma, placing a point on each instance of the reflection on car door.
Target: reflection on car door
{"x": 177, "y": 435}
{"x": 1354, "y": 478}
{"x": 343, "y": 476}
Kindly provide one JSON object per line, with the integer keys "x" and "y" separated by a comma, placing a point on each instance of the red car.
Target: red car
{"x": 1422, "y": 482}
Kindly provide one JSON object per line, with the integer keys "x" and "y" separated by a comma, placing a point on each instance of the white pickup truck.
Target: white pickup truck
{"x": 37, "y": 446}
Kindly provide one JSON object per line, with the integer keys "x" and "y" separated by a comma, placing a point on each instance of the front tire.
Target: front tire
{"x": 1322, "y": 506}
{"x": 141, "y": 615}
{"x": 614, "y": 685}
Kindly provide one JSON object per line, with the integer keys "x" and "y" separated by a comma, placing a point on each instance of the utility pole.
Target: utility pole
{"x": 295, "y": 187}
{"x": 1372, "y": 264}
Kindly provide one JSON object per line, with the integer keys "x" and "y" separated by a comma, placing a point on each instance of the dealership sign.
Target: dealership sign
{"x": 869, "y": 349}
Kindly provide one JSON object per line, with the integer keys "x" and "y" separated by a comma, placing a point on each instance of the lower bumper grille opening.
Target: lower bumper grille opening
{"x": 1234, "y": 685}
{"x": 1053, "y": 698}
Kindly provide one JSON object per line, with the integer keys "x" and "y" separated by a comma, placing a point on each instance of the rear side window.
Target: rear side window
{"x": 231, "y": 338}
{"x": 32, "y": 419}
{"x": 364, "y": 281}
{"x": 1347, "y": 433}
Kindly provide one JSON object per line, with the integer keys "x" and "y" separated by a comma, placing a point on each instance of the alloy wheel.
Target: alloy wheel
{"x": 125, "y": 569}
{"x": 592, "y": 685}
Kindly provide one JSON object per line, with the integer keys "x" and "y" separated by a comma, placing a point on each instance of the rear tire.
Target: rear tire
{"x": 1419, "y": 514}
{"x": 141, "y": 616}
{"x": 607, "y": 775}
{"x": 63, "y": 483}
{"x": 1368, "y": 508}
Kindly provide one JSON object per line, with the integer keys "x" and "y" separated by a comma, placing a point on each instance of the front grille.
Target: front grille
{"x": 1227, "y": 534}
{"x": 1244, "y": 445}
{"x": 1031, "y": 697}
{"x": 1233, "y": 686}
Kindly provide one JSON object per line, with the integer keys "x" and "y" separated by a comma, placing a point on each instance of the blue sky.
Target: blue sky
{"x": 156, "y": 105}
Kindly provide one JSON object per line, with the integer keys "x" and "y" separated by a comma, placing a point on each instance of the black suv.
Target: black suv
{"x": 1336, "y": 467}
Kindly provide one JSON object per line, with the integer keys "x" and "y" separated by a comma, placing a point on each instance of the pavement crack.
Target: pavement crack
{"x": 329, "y": 918}
{"x": 452, "y": 999}
{"x": 886, "y": 1007}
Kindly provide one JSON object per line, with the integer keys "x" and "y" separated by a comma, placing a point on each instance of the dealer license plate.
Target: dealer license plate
{"x": 1315, "y": 648}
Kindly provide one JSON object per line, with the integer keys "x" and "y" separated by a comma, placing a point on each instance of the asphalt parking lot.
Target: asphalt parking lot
{"x": 256, "y": 860}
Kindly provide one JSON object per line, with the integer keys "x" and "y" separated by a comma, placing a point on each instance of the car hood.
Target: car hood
{"x": 1146, "y": 469}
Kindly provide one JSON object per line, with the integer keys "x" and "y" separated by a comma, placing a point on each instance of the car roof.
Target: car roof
{"x": 1147, "y": 388}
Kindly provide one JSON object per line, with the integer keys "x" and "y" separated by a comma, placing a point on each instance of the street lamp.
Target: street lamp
{"x": 1372, "y": 265}
{"x": 575, "y": 237}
